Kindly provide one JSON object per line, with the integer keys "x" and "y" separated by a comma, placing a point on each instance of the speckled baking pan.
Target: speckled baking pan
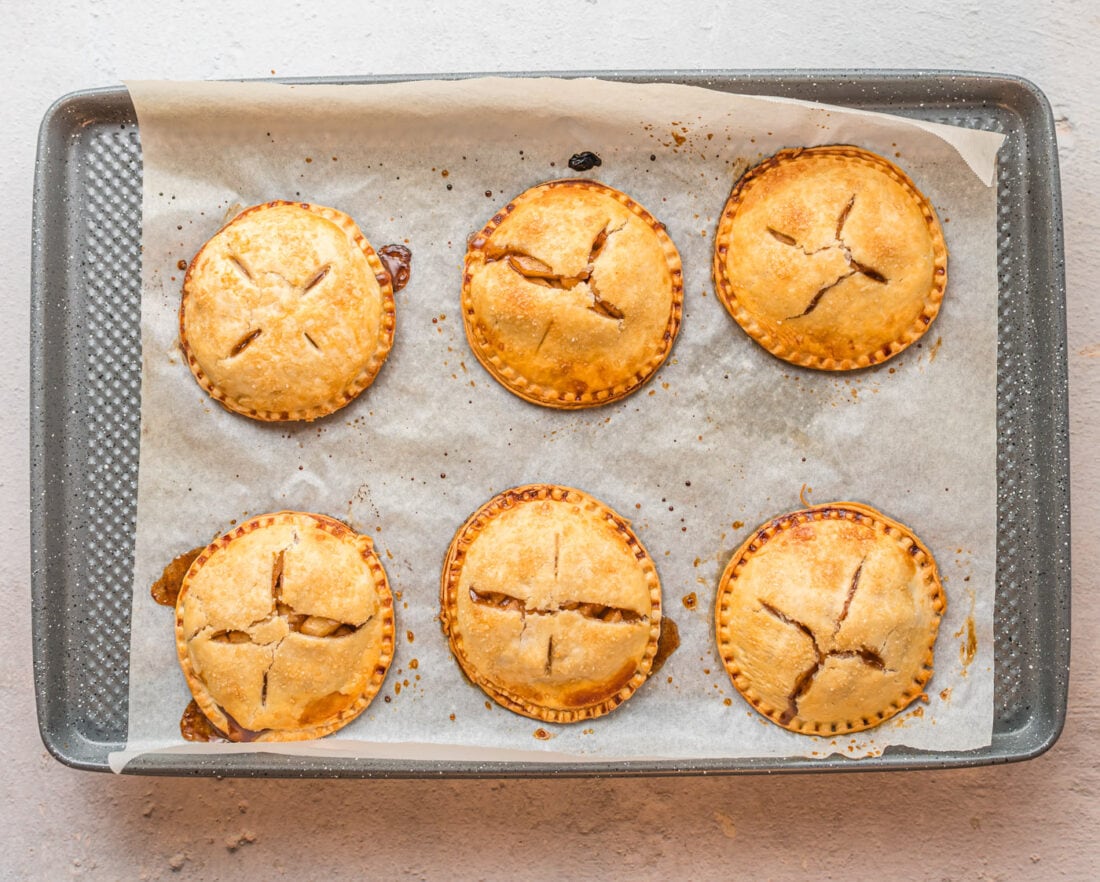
{"x": 85, "y": 423}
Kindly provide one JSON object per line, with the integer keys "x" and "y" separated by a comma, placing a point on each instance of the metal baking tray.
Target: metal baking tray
{"x": 85, "y": 423}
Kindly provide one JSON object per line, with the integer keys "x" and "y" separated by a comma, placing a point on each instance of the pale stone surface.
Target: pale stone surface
{"x": 1034, "y": 820}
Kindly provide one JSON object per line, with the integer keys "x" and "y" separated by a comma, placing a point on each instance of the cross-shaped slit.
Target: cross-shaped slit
{"x": 318, "y": 275}
{"x": 541, "y": 273}
{"x": 195, "y": 726}
{"x": 856, "y": 267}
{"x": 300, "y": 623}
{"x": 805, "y": 679}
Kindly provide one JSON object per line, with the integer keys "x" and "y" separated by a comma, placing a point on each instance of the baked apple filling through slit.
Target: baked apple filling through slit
{"x": 805, "y": 679}
{"x": 301, "y": 623}
{"x": 596, "y": 611}
{"x": 245, "y": 341}
{"x": 857, "y": 267}
{"x": 540, "y": 273}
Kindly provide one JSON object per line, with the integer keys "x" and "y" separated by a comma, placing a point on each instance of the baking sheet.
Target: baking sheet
{"x": 721, "y": 440}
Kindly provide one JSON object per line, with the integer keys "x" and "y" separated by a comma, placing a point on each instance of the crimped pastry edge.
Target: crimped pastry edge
{"x": 365, "y": 376}
{"x": 723, "y": 286}
{"x": 198, "y": 689}
{"x": 452, "y": 568}
{"x": 848, "y": 511}
{"x": 519, "y": 385}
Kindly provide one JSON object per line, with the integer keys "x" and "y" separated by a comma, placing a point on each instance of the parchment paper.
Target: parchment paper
{"x": 721, "y": 440}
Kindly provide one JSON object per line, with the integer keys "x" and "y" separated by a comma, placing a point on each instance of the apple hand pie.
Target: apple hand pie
{"x": 826, "y": 618}
{"x": 830, "y": 258}
{"x": 550, "y": 604}
{"x": 287, "y": 312}
{"x": 572, "y": 295}
{"x": 284, "y": 627}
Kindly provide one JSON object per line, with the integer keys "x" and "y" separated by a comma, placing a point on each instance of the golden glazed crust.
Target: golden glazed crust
{"x": 551, "y": 604}
{"x": 287, "y": 313}
{"x": 830, "y": 257}
{"x": 826, "y": 618}
{"x": 572, "y": 295}
{"x": 284, "y": 627}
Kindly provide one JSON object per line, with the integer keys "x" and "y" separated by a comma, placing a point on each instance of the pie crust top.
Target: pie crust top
{"x": 826, "y": 618}
{"x": 287, "y": 313}
{"x": 551, "y": 604}
{"x": 572, "y": 294}
{"x": 830, "y": 257}
{"x": 284, "y": 627}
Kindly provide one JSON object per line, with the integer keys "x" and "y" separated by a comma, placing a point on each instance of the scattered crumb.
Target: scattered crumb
{"x": 235, "y": 841}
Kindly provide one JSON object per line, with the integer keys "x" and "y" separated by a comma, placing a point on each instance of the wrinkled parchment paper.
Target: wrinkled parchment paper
{"x": 722, "y": 439}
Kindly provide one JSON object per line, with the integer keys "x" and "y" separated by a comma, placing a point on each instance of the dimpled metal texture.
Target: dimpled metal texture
{"x": 1015, "y": 548}
{"x": 86, "y": 419}
{"x": 86, "y": 394}
{"x": 111, "y": 415}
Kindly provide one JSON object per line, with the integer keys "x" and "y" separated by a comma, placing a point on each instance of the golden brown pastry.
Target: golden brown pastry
{"x": 551, "y": 604}
{"x": 287, "y": 313}
{"x": 826, "y": 618}
{"x": 572, "y": 294}
{"x": 830, "y": 257}
{"x": 284, "y": 627}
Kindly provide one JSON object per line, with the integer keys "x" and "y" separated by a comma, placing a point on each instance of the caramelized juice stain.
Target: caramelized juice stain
{"x": 166, "y": 589}
{"x": 195, "y": 726}
{"x": 667, "y": 643}
{"x": 969, "y": 649}
{"x": 398, "y": 262}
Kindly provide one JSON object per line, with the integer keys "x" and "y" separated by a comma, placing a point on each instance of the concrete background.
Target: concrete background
{"x": 1031, "y": 820}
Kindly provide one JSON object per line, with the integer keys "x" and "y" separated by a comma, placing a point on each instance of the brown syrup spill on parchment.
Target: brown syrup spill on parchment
{"x": 196, "y": 726}
{"x": 166, "y": 589}
{"x": 969, "y": 649}
{"x": 667, "y": 643}
{"x": 398, "y": 262}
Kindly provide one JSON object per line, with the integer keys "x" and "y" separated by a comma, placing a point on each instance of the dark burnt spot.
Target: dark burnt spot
{"x": 584, "y": 161}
